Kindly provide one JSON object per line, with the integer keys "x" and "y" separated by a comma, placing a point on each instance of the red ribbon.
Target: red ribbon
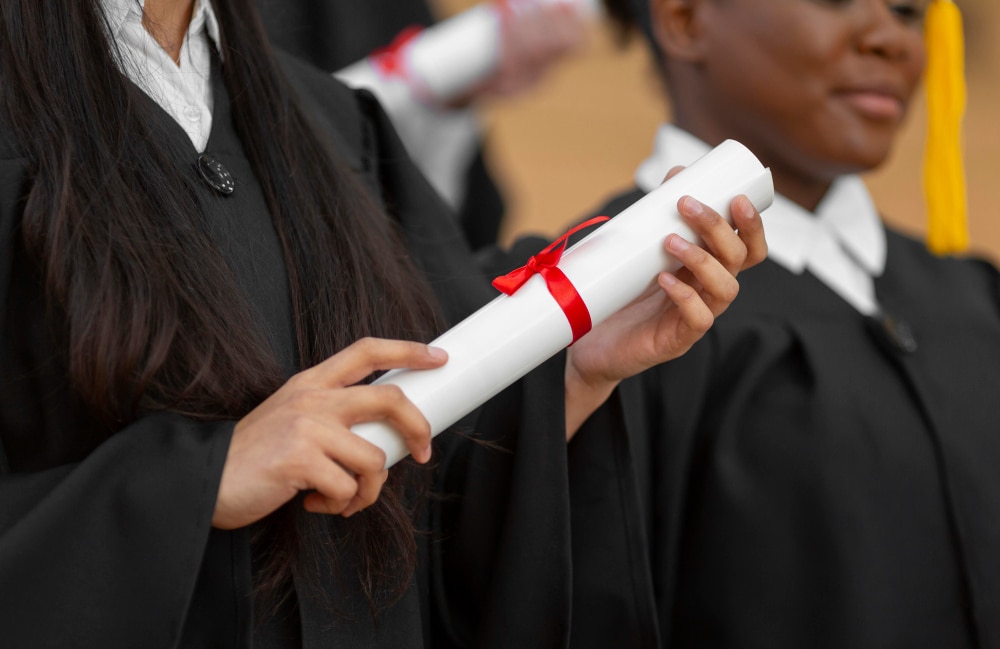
{"x": 545, "y": 264}
{"x": 390, "y": 60}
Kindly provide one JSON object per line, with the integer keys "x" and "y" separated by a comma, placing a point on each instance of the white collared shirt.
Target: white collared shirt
{"x": 842, "y": 242}
{"x": 184, "y": 91}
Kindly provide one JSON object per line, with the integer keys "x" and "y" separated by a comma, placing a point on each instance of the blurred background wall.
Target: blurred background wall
{"x": 563, "y": 149}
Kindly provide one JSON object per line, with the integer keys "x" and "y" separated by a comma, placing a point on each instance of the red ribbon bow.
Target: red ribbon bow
{"x": 545, "y": 264}
{"x": 390, "y": 60}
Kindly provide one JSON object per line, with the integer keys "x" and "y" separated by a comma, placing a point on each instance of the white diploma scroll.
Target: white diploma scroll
{"x": 610, "y": 267}
{"x": 450, "y": 58}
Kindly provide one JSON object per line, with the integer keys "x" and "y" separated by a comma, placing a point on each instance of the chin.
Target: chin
{"x": 864, "y": 153}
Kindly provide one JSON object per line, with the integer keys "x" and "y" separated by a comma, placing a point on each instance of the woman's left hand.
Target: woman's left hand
{"x": 665, "y": 322}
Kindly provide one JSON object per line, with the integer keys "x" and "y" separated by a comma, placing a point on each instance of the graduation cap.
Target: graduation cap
{"x": 944, "y": 176}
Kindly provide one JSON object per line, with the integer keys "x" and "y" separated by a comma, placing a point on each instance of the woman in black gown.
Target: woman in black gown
{"x": 205, "y": 249}
{"x": 820, "y": 469}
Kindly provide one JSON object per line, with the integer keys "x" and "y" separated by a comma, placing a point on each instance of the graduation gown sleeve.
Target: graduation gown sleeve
{"x": 101, "y": 536}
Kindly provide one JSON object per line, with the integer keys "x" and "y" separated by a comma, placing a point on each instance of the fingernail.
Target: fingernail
{"x": 668, "y": 279}
{"x": 678, "y": 244}
{"x": 747, "y": 207}
{"x": 437, "y": 353}
{"x": 691, "y": 206}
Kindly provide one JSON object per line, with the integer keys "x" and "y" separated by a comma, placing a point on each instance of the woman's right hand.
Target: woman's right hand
{"x": 299, "y": 439}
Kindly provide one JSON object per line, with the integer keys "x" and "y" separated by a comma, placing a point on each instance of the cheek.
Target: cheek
{"x": 916, "y": 64}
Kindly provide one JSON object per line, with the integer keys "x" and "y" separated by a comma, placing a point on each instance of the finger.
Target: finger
{"x": 750, "y": 227}
{"x": 334, "y": 488}
{"x": 696, "y": 317}
{"x": 369, "y": 488}
{"x": 716, "y": 283}
{"x": 360, "y": 359}
{"x": 719, "y": 237}
{"x": 387, "y": 403}
{"x": 673, "y": 172}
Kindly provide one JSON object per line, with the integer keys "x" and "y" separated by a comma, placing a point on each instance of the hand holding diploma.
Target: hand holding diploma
{"x": 648, "y": 289}
{"x": 299, "y": 439}
{"x": 614, "y": 271}
{"x": 670, "y": 317}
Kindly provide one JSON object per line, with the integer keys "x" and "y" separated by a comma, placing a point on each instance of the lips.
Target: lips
{"x": 874, "y": 102}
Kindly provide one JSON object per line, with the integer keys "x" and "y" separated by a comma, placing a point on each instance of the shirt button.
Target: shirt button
{"x": 215, "y": 174}
{"x": 192, "y": 113}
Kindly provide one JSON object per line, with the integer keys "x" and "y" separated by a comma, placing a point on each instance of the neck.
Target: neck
{"x": 167, "y": 21}
{"x": 791, "y": 180}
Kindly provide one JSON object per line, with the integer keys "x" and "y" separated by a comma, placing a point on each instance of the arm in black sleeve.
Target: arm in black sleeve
{"x": 101, "y": 540}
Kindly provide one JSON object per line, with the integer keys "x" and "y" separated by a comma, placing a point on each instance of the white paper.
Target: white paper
{"x": 610, "y": 267}
{"x": 450, "y": 58}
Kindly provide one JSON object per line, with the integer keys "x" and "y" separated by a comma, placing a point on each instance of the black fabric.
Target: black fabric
{"x": 333, "y": 34}
{"x": 105, "y": 537}
{"x": 806, "y": 485}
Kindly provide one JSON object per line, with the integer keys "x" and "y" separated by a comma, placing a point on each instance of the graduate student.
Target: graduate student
{"x": 820, "y": 470}
{"x": 206, "y": 247}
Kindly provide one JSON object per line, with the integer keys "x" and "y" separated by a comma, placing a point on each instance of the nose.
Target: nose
{"x": 881, "y": 31}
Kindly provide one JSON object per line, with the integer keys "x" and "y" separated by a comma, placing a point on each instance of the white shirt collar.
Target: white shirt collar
{"x": 842, "y": 242}
{"x": 184, "y": 91}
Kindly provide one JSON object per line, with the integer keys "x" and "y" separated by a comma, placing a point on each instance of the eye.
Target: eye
{"x": 908, "y": 12}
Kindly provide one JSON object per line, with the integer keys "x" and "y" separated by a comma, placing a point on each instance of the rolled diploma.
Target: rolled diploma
{"x": 451, "y": 57}
{"x": 610, "y": 267}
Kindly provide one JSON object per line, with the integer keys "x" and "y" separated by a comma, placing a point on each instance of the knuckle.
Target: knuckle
{"x": 391, "y": 395}
{"x": 299, "y": 428}
{"x": 368, "y": 497}
{"x": 730, "y": 291}
{"x": 372, "y": 460}
{"x": 343, "y": 490}
{"x": 331, "y": 506}
{"x": 684, "y": 294}
{"x": 417, "y": 430}
{"x": 296, "y": 458}
{"x": 702, "y": 322}
{"x": 697, "y": 256}
{"x": 365, "y": 345}
{"x": 712, "y": 219}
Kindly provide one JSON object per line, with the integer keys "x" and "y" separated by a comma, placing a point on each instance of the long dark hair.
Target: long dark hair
{"x": 151, "y": 311}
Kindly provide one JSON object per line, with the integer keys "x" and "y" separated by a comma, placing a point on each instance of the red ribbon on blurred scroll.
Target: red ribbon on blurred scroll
{"x": 390, "y": 60}
{"x": 545, "y": 264}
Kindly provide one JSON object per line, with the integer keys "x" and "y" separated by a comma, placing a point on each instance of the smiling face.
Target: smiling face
{"x": 816, "y": 88}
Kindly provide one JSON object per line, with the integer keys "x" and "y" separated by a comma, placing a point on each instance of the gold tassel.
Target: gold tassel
{"x": 944, "y": 178}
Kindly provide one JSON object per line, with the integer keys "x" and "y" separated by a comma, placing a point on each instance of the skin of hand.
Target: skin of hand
{"x": 815, "y": 88}
{"x": 534, "y": 36}
{"x": 665, "y": 322}
{"x": 299, "y": 439}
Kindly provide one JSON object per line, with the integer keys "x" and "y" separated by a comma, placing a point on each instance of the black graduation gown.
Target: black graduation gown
{"x": 333, "y": 34}
{"x": 105, "y": 535}
{"x": 805, "y": 481}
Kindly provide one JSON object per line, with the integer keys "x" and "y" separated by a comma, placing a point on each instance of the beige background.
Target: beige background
{"x": 576, "y": 140}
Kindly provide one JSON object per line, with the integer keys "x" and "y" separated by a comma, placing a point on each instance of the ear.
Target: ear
{"x": 677, "y": 26}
